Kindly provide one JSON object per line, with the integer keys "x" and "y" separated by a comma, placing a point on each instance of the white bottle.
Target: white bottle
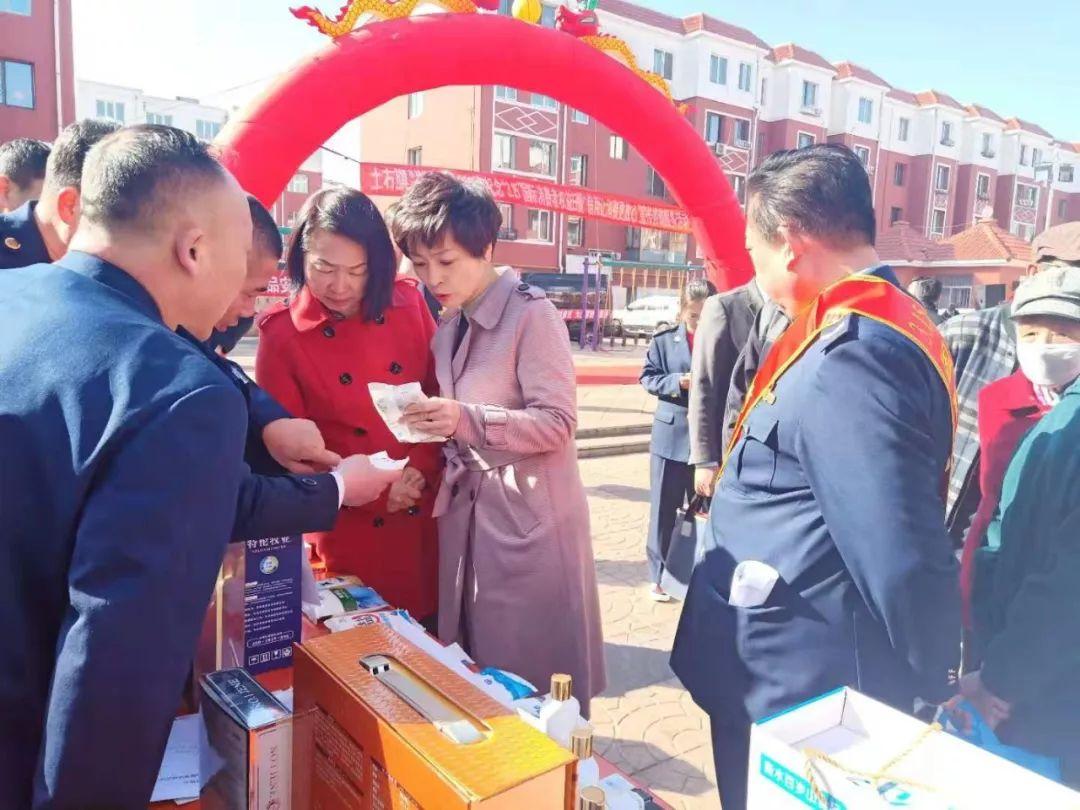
{"x": 588, "y": 771}
{"x": 561, "y": 712}
{"x": 591, "y": 798}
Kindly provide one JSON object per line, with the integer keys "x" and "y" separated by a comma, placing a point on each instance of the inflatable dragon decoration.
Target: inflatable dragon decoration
{"x": 581, "y": 22}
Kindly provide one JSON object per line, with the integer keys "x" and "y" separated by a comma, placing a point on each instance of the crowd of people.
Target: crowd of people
{"x": 912, "y": 484}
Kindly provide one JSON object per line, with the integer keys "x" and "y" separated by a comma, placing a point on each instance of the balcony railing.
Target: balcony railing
{"x": 988, "y": 153}
{"x": 808, "y": 109}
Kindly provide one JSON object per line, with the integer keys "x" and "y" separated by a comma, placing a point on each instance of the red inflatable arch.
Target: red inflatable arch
{"x": 265, "y": 144}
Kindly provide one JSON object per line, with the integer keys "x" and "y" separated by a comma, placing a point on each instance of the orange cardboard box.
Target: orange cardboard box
{"x": 380, "y": 725}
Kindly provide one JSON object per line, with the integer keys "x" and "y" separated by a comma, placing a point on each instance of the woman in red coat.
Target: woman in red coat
{"x": 351, "y": 323}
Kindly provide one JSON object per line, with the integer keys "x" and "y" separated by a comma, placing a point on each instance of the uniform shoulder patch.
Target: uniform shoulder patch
{"x": 530, "y": 292}
{"x": 838, "y": 332}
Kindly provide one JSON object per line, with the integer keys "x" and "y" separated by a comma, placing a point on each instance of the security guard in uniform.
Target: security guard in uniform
{"x": 39, "y": 231}
{"x": 834, "y": 478}
{"x": 666, "y": 375}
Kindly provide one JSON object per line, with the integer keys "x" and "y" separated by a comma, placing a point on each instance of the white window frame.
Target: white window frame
{"x": 10, "y": 10}
{"x": 496, "y": 156}
{"x": 859, "y": 151}
{"x": 578, "y": 117}
{"x": 548, "y": 147}
{"x": 579, "y": 176}
{"x": 799, "y": 136}
{"x": 548, "y": 103}
{"x": 298, "y": 187}
{"x": 571, "y": 241}
{"x": 110, "y": 110}
{"x": 718, "y": 66}
{"x": 937, "y": 177}
{"x": 900, "y": 171}
{"x": 903, "y": 129}
{"x": 664, "y": 63}
{"x": 415, "y": 105}
{"x": 624, "y": 152}
{"x": 157, "y": 119}
{"x": 746, "y": 77}
{"x": 947, "y": 134}
{"x": 1071, "y": 172}
{"x": 742, "y": 143}
{"x": 812, "y": 103}
{"x": 1024, "y": 155}
{"x": 944, "y": 220}
{"x": 978, "y": 179}
{"x": 541, "y": 216}
{"x": 504, "y": 93}
{"x": 506, "y": 211}
{"x": 207, "y": 130}
{"x": 866, "y": 104}
{"x": 987, "y": 148}
{"x": 899, "y": 211}
{"x": 418, "y": 151}
{"x": 652, "y": 178}
{"x": 713, "y": 115}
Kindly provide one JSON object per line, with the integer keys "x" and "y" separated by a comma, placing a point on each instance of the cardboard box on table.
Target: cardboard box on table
{"x": 927, "y": 769}
{"x": 359, "y": 743}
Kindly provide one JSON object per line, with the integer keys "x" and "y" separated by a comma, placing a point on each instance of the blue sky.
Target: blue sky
{"x": 1016, "y": 58}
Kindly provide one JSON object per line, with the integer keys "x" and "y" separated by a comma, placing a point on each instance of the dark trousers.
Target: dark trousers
{"x": 671, "y": 488}
{"x": 731, "y": 753}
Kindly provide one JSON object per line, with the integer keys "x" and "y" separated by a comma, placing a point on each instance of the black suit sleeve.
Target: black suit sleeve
{"x": 280, "y": 505}
{"x": 714, "y": 359}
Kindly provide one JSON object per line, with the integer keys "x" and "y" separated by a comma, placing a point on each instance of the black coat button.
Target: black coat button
{"x": 345, "y": 379}
{"x": 308, "y": 482}
{"x": 414, "y": 511}
{"x": 360, "y": 431}
{"x": 454, "y": 490}
{"x": 329, "y": 331}
{"x": 395, "y": 368}
{"x": 380, "y": 320}
{"x": 378, "y": 523}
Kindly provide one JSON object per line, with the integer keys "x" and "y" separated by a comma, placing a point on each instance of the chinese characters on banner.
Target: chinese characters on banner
{"x": 388, "y": 180}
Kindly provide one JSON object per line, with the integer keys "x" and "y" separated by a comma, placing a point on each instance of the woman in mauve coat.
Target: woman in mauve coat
{"x": 352, "y": 323}
{"x": 517, "y": 584}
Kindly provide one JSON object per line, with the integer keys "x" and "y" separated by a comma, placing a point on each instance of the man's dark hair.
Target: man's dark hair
{"x": 132, "y": 176}
{"x": 22, "y": 161}
{"x": 352, "y": 215}
{"x": 439, "y": 204}
{"x": 822, "y": 191}
{"x": 266, "y": 234}
{"x": 926, "y": 289}
{"x": 69, "y": 151}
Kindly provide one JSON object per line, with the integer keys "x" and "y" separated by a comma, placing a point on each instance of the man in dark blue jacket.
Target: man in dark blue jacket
{"x": 835, "y": 479}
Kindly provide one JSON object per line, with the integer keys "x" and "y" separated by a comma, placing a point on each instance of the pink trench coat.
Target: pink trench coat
{"x": 517, "y": 583}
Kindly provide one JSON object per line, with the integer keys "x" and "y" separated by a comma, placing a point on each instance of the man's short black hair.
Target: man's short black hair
{"x": 22, "y": 161}
{"x": 266, "y": 234}
{"x": 439, "y": 204}
{"x": 822, "y": 191}
{"x": 69, "y": 151}
{"x": 132, "y": 176}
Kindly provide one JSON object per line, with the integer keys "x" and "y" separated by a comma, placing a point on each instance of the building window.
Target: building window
{"x": 618, "y": 148}
{"x": 1036, "y": 158}
{"x": 416, "y": 105}
{"x": 539, "y": 225}
{"x": 15, "y": 7}
{"x": 160, "y": 120}
{"x": 111, "y": 111}
{"x": 746, "y": 77}
{"x": 714, "y": 128}
{"x": 1065, "y": 173}
{"x": 805, "y": 140}
{"x": 504, "y": 148}
{"x": 579, "y": 170}
{"x": 506, "y": 8}
{"x": 575, "y": 232}
{"x": 207, "y": 130}
{"x": 1023, "y": 155}
{"x": 663, "y": 64}
{"x": 764, "y": 86}
{"x": 937, "y": 223}
{"x": 738, "y": 185}
{"x": 299, "y": 184}
{"x": 903, "y": 129}
{"x": 899, "y": 174}
{"x": 415, "y": 156}
{"x": 578, "y": 117}
{"x": 507, "y": 231}
{"x": 946, "y": 133}
{"x": 742, "y": 133}
{"x": 941, "y": 178}
{"x": 545, "y": 102}
{"x": 506, "y": 93}
{"x": 1023, "y": 230}
{"x": 982, "y": 187}
{"x": 809, "y": 97}
{"x": 863, "y": 154}
{"x": 717, "y": 69}
{"x": 654, "y": 183}
{"x": 987, "y": 145}
{"x": 17, "y": 84}
{"x": 542, "y": 157}
{"x": 1063, "y": 208}
{"x": 895, "y": 215}
{"x": 866, "y": 110}
{"x": 633, "y": 238}
{"x": 1026, "y": 196}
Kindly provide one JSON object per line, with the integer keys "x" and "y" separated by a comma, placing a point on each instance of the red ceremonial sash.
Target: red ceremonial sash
{"x": 866, "y": 295}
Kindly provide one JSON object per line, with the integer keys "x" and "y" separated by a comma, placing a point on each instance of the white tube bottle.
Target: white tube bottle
{"x": 561, "y": 712}
{"x": 591, "y": 798}
{"x": 581, "y": 744}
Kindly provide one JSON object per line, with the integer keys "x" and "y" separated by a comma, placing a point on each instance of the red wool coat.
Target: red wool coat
{"x": 318, "y": 366}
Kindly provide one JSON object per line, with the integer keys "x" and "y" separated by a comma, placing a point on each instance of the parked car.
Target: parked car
{"x": 649, "y": 314}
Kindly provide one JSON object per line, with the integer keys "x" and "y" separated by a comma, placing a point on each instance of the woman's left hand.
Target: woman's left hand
{"x": 437, "y": 416}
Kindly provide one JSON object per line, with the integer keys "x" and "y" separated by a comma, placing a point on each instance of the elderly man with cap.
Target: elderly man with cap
{"x": 983, "y": 346}
{"x": 1022, "y": 557}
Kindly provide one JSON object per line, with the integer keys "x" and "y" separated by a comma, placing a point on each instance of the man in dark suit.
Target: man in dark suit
{"x": 834, "y": 480}
{"x": 726, "y": 323}
{"x": 22, "y": 171}
{"x": 770, "y": 323}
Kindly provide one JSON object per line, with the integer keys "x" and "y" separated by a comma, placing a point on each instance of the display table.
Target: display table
{"x": 279, "y": 679}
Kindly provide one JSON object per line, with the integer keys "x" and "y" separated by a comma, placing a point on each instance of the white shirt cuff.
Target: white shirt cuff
{"x": 340, "y": 487}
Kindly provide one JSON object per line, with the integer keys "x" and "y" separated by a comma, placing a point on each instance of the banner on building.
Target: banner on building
{"x": 390, "y": 180}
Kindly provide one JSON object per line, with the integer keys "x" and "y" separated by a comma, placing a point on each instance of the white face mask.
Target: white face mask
{"x": 1053, "y": 364}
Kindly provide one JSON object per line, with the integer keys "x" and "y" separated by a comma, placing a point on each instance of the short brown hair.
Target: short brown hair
{"x": 438, "y": 205}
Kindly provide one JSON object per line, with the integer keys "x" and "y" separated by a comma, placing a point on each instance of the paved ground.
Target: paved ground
{"x": 645, "y": 721}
